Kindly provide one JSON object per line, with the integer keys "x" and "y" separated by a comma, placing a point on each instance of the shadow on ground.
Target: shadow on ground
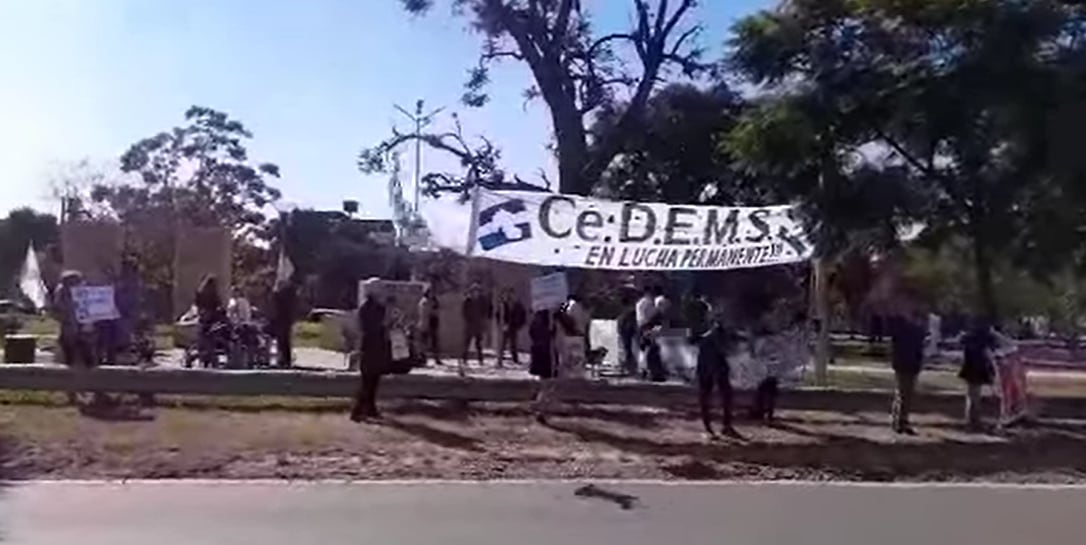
{"x": 8, "y": 474}
{"x": 434, "y": 435}
{"x": 1037, "y": 451}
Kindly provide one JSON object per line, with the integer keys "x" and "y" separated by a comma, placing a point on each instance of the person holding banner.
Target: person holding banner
{"x": 75, "y": 339}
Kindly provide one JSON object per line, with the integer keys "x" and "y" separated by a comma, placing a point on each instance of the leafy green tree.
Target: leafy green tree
{"x": 578, "y": 71}
{"x": 954, "y": 96}
{"x": 200, "y": 175}
{"x": 674, "y": 152}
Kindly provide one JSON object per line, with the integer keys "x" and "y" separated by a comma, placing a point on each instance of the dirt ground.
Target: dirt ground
{"x": 492, "y": 441}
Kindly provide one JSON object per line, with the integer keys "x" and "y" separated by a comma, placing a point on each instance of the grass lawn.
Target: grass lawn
{"x": 487, "y": 441}
{"x": 943, "y": 380}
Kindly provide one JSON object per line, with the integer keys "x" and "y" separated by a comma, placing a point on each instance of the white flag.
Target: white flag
{"x": 30, "y": 281}
{"x": 285, "y": 270}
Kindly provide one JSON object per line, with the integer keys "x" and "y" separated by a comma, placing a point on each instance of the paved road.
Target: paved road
{"x": 523, "y": 514}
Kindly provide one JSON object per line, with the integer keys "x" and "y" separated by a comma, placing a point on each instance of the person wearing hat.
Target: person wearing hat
{"x": 75, "y": 339}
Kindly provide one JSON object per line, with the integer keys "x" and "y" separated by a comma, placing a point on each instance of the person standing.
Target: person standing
{"x": 210, "y": 315}
{"x": 284, "y": 312}
{"x": 645, "y": 309}
{"x": 907, "y": 357}
{"x": 513, "y": 318}
{"x": 542, "y": 363}
{"x": 474, "y": 313}
{"x": 645, "y": 313}
{"x": 238, "y": 309}
{"x": 713, "y": 373}
{"x": 375, "y": 351}
{"x": 978, "y": 345}
{"x": 663, "y": 307}
{"x": 429, "y": 324}
{"x": 76, "y": 348}
{"x": 696, "y": 314}
{"x": 627, "y": 335}
{"x": 935, "y": 332}
{"x": 652, "y": 319}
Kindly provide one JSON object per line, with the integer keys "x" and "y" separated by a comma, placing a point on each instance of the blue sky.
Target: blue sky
{"x": 314, "y": 80}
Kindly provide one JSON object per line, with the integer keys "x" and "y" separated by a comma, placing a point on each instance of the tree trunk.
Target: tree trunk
{"x": 572, "y": 151}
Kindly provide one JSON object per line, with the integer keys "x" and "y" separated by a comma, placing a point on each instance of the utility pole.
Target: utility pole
{"x": 420, "y": 121}
{"x": 821, "y": 287}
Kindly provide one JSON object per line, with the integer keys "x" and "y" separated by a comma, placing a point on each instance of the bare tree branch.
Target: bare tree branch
{"x": 677, "y": 16}
{"x": 661, "y": 12}
{"x": 608, "y": 38}
{"x": 561, "y": 25}
{"x": 694, "y": 31}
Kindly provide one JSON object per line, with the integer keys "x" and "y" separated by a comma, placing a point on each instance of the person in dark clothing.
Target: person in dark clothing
{"x": 514, "y": 317}
{"x": 977, "y": 346}
{"x": 541, "y": 335}
{"x": 376, "y": 354}
{"x": 75, "y": 339}
{"x": 430, "y": 324}
{"x": 907, "y": 357}
{"x": 696, "y": 313}
{"x": 211, "y": 317}
{"x": 649, "y": 345}
{"x": 475, "y": 312}
{"x": 627, "y": 333}
{"x": 284, "y": 312}
{"x": 713, "y": 372}
{"x": 544, "y": 361}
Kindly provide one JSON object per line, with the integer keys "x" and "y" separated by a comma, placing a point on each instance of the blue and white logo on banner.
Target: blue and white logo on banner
{"x": 504, "y": 223}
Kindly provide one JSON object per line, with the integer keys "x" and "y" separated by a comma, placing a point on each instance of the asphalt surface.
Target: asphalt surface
{"x": 528, "y": 513}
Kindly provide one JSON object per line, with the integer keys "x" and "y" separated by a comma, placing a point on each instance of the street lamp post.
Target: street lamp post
{"x": 420, "y": 122}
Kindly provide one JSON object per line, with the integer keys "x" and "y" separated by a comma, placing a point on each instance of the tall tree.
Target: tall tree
{"x": 956, "y": 93}
{"x": 579, "y": 72}
{"x": 201, "y": 172}
{"x": 198, "y": 174}
{"x": 675, "y": 153}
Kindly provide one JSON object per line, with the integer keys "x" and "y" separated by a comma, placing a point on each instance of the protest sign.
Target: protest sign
{"x": 549, "y": 292}
{"x": 94, "y": 304}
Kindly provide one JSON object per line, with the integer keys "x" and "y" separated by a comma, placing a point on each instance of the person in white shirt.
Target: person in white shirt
{"x": 931, "y": 345}
{"x": 238, "y": 309}
{"x": 663, "y": 307}
{"x": 645, "y": 309}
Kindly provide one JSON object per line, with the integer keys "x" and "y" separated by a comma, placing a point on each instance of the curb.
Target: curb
{"x": 343, "y": 384}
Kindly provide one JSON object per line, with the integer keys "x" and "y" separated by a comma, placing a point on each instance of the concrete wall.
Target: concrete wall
{"x": 93, "y": 248}
{"x": 200, "y": 251}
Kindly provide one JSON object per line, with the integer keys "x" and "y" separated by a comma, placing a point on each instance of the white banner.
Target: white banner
{"x": 550, "y": 229}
